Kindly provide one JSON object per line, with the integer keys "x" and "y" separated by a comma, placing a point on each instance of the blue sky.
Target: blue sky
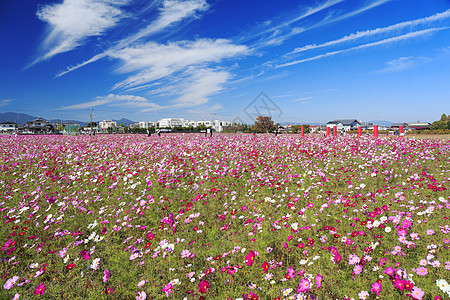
{"x": 315, "y": 60}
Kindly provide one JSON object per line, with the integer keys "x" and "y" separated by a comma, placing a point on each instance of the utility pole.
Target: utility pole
{"x": 61, "y": 122}
{"x": 155, "y": 120}
{"x": 90, "y": 115}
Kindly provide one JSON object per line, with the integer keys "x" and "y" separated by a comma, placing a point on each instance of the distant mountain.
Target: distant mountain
{"x": 20, "y": 119}
{"x": 382, "y": 123}
{"x": 125, "y": 121}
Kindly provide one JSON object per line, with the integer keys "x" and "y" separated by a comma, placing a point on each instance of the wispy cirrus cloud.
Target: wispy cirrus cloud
{"x": 378, "y": 31}
{"x": 303, "y": 99}
{"x": 392, "y": 40}
{"x": 5, "y": 102}
{"x": 114, "y": 100}
{"x": 73, "y": 21}
{"x": 171, "y": 12}
{"x": 403, "y": 63}
{"x": 275, "y": 29}
{"x": 355, "y": 12}
{"x": 282, "y": 32}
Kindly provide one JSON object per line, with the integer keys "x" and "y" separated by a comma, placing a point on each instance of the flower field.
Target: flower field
{"x": 228, "y": 217}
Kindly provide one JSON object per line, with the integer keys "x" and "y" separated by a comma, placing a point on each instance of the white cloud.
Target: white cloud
{"x": 282, "y": 32}
{"x": 368, "y": 33}
{"x": 285, "y": 24}
{"x": 387, "y": 41}
{"x": 114, "y": 100}
{"x": 155, "y": 61}
{"x": 303, "y": 99}
{"x": 5, "y": 102}
{"x": 402, "y": 64}
{"x": 202, "y": 85}
{"x": 171, "y": 12}
{"x": 365, "y": 8}
{"x": 89, "y": 104}
{"x": 72, "y": 21}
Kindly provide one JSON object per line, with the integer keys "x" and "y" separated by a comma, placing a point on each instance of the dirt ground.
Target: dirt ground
{"x": 443, "y": 137}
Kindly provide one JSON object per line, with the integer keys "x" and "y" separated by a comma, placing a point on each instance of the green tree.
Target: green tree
{"x": 298, "y": 128}
{"x": 91, "y": 124}
{"x": 442, "y": 124}
{"x": 264, "y": 124}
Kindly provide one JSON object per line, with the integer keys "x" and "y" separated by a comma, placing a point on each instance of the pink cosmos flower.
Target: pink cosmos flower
{"x": 363, "y": 295}
{"x": 141, "y": 295}
{"x": 250, "y": 258}
{"x": 389, "y": 271}
{"x": 106, "y": 275}
{"x": 85, "y": 254}
{"x": 167, "y": 289}
{"x": 430, "y": 232}
{"x": 357, "y": 269}
{"x": 376, "y": 288}
{"x": 417, "y": 293}
{"x": 203, "y": 286}
{"x": 10, "y": 282}
{"x": 303, "y": 286}
{"x": 318, "y": 280}
{"x": 422, "y": 271}
{"x": 399, "y": 284}
{"x": 141, "y": 283}
{"x": 40, "y": 289}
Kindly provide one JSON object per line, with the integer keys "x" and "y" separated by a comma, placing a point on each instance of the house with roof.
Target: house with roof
{"x": 8, "y": 127}
{"x": 105, "y": 124}
{"x": 344, "y": 124}
{"x": 396, "y": 126}
{"x": 37, "y": 126}
{"x": 420, "y": 126}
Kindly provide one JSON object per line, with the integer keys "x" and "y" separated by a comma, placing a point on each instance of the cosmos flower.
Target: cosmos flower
{"x": 40, "y": 289}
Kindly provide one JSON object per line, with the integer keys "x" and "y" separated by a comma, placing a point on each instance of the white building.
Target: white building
{"x": 145, "y": 124}
{"x": 219, "y": 125}
{"x": 171, "y": 122}
{"x": 344, "y": 125}
{"x": 189, "y": 123}
{"x": 107, "y": 124}
{"x": 8, "y": 127}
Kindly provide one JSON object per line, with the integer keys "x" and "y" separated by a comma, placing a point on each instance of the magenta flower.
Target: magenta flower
{"x": 85, "y": 254}
{"x": 167, "y": 289}
{"x": 389, "y": 271}
{"x": 303, "y": 286}
{"x": 250, "y": 257}
{"x": 376, "y": 288}
{"x": 399, "y": 284}
{"x": 106, "y": 275}
{"x": 40, "y": 289}
{"x": 203, "y": 286}
{"x": 318, "y": 280}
